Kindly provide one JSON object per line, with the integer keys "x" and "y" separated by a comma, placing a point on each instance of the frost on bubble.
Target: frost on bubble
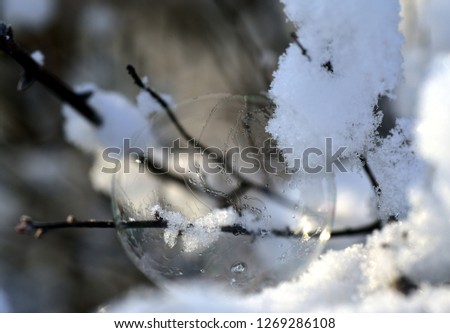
{"x": 196, "y": 234}
{"x": 359, "y": 41}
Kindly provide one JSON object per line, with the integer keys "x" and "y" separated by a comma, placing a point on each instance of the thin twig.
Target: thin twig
{"x": 370, "y": 175}
{"x": 300, "y": 45}
{"x": 161, "y": 101}
{"x": 37, "y": 228}
{"x": 35, "y": 72}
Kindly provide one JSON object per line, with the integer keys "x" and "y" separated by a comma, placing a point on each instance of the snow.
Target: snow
{"x": 143, "y": 299}
{"x": 39, "y": 57}
{"x": 33, "y": 14}
{"x": 121, "y": 120}
{"x": 396, "y": 168}
{"x": 313, "y": 103}
{"x": 335, "y": 283}
{"x": 434, "y": 113}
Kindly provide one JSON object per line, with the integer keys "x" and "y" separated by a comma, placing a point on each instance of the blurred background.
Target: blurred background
{"x": 186, "y": 48}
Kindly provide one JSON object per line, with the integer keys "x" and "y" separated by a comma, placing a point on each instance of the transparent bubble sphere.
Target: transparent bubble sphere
{"x": 205, "y": 193}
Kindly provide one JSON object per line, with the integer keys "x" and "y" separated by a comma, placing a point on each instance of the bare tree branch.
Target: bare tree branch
{"x": 35, "y": 72}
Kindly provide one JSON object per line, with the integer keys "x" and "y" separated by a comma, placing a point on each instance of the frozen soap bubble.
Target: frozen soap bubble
{"x": 206, "y": 195}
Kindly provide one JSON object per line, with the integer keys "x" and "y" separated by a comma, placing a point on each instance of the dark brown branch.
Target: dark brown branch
{"x": 29, "y": 226}
{"x": 365, "y": 230}
{"x": 35, "y": 72}
{"x": 37, "y": 228}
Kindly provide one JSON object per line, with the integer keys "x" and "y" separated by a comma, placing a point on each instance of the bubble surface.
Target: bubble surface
{"x": 212, "y": 198}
